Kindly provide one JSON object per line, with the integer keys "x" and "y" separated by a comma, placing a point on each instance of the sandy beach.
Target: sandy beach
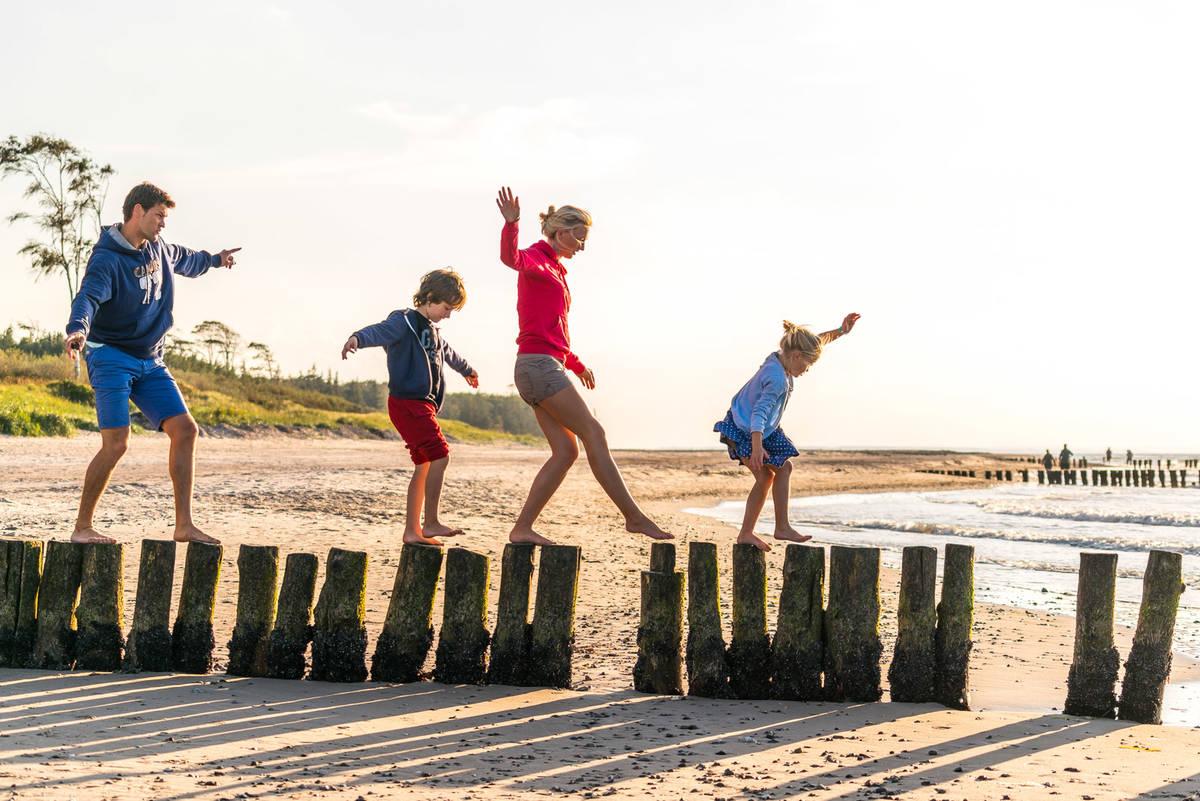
{"x": 157, "y": 736}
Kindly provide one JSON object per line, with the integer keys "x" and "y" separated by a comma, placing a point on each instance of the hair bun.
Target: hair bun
{"x": 547, "y": 214}
{"x": 789, "y": 326}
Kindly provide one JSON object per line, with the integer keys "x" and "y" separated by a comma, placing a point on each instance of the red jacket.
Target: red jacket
{"x": 543, "y": 299}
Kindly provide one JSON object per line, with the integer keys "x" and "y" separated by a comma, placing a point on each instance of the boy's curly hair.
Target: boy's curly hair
{"x": 441, "y": 286}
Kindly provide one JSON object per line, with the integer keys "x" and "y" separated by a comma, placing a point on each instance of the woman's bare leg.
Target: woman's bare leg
{"x": 763, "y": 480}
{"x": 564, "y": 450}
{"x": 781, "y": 493}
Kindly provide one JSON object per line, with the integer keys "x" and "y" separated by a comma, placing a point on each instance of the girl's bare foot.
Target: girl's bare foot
{"x": 528, "y": 535}
{"x": 190, "y": 533}
{"x": 790, "y": 534}
{"x": 751, "y": 539}
{"x": 647, "y": 526}
{"x": 90, "y": 535}
{"x": 438, "y": 530}
{"x": 417, "y": 538}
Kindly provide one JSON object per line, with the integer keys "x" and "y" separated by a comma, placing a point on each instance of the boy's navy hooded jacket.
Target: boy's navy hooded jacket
{"x": 416, "y": 353}
{"x": 127, "y": 296}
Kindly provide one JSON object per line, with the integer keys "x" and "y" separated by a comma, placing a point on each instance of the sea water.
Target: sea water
{"x": 1027, "y": 541}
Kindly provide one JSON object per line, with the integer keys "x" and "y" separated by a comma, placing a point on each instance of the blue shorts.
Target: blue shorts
{"x": 117, "y": 377}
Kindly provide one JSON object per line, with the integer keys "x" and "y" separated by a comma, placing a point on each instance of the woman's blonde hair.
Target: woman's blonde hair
{"x": 556, "y": 219}
{"x": 798, "y": 337}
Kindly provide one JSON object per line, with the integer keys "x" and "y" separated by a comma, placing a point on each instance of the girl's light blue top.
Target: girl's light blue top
{"x": 759, "y": 405}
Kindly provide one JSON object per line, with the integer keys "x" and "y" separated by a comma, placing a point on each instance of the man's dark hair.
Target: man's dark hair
{"x": 146, "y": 195}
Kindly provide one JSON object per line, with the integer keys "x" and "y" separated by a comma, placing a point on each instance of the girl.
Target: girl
{"x": 543, "y": 358}
{"x": 751, "y": 426}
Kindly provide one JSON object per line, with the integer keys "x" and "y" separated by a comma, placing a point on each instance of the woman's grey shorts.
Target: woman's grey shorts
{"x": 539, "y": 376}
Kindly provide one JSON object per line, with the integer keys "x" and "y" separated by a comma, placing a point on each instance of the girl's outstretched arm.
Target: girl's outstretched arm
{"x": 847, "y": 325}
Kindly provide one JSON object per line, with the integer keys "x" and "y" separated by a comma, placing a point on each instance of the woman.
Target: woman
{"x": 543, "y": 358}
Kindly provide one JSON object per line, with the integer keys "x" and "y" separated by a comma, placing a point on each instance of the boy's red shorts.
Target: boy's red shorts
{"x": 416, "y": 421}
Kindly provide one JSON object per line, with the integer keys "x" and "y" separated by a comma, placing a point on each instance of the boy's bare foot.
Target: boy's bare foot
{"x": 528, "y": 535}
{"x": 438, "y": 530}
{"x": 190, "y": 533}
{"x": 790, "y": 534}
{"x": 417, "y": 538}
{"x": 649, "y": 528}
{"x": 90, "y": 535}
{"x": 751, "y": 539}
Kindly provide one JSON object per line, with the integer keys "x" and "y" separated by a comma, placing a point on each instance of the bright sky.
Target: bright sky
{"x": 1007, "y": 193}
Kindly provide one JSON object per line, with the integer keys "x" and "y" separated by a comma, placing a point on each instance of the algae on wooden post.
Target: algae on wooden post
{"x": 914, "y": 661}
{"x": 258, "y": 575}
{"x": 10, "y": 598}
{"x": 462, "y": 645}
{"x": 293, "y": 624}
{"x": 407, "y": 633}
{"x": 31, "y": 579}
{"x": 101, "y": 612}
{"x": 1149, "y": 663}
{"x": 708, "y": 672}
{"x": 552, "y": 634}
{"x": 339, "y": 650}
{"x": 54, "y": 645}
{"x": 852, "y": 644}
{"x": 192, "y": 638}
{"x": 510, "y": 642}
{"x": 659, "y": 666}
{"x": 1092, "y": 680}
{"x": 798, "y": 652}
{"x": 149, "y": 643}
{"x": 750, "y": 645}
{"x": 956, "y": 615}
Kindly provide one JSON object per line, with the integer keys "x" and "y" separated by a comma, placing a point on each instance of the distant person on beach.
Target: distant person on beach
{"x": 544, "y": 356}
{"x": 751, "y": 428}
{"x": 1108, "y": 456}
{"x": 119, "y": 321}
{"x": 1064, "y": 457}
{"x": 1047, "y": 461}
{"x": 416, "y": 360}
{"x": 1128, "y": 457}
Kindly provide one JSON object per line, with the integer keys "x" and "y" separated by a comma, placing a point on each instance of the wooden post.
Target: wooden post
{"x": 659, "y": 666}
{"x": 956, "y": 615}
{"x": 1025, "y": 476}
{"x": 339, "y": 649}
{"x": 408, "y": 628}
{"x": 914, "y": 664}
{"x": 707, "y": 669}
{"x": 798, "y": 651}
{"x": 1149, "y": 662}
{"x": 101, "y": 613}
{"x": 149, "y": 644}
{"x": 750, "y": 646}
{"x": 1092, "y": 680}
{"x": 192, "y": 639}
{"x": 1174, "y": 478}
{"x": 258, "y": 578}
{"x": 987, "y": 474}
{"x": 20, "y": 574}
{"x": 54, "y": 646}
{"x": 1083, "y": 476}
{"x": 293, "y": 623}
{"x": 1103, "y": 478}
{"x": 552, "y": 635}
{"x": 1008, "y": 475}
{"x": 1162, "y": 478}
{"x": 510, "y": 642}
{"x": 461, "y": 656}
{"x": 852, "y": 644}
{"x": 1041, "y": 476}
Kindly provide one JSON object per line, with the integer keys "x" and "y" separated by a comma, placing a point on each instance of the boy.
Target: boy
{"x": 416, "y": 354}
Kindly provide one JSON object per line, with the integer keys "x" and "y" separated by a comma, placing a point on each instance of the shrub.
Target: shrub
{"x": 75, "y": 393}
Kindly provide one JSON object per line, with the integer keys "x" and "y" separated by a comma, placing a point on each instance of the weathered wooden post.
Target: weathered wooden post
{"x": 54, "y": 645}
{"x": 987, "y": 474}
{"x": 1104, "y": 478}
{"x": 956, "y": 615}
{"x": 19, "y": 580}
{"x": 408, "y": 628}
{"x": 1174, "y": 479}
{"x": 707, "y": 669}
{"x": 510, "y": 641}
{"x": 552, "y": 634}
{"x": 339, "y": 648}
{"x": 461, "y": 656}
{"x": 1041, "y": 477}
{"x": 1162, "y": 478}
{"x": 659, "y": 666}
{"x": 1128, "y": 474}
{"x": 258, "y": 580}
{"x": 798, "y": 651}
{"x": 750, "y": 645}
{"x": 1083, "y": 476}
{"x": 293, "y": 623}
{"x": 101, "y": 613}
{"x": 149, "y": 643}
{"x": 1149, "y": 663}
{"x": 192, "y": 638}
{"x": 1092, "y": 680}
{"x": 914, "y": 664}
{"x": 10, "y": 597}
{"x": 1025, "y": 477}
{"x": 852, "y": 644}
{"x": 1008, "y": 475}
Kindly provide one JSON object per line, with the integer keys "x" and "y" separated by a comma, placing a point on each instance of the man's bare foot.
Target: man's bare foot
{"x": 647, "y": 526}
{"x": 751, "y": 539}
{"x": 438, "y": 530}
{"x": 528, "y": 535}
{"x": 190, "y": 533}
{"x": 418, "y": 538}
{"x": 90, "y": 535}
{"x": 790, "y": 534}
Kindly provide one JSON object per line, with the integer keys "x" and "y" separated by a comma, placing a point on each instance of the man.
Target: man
{"x": 1064, "y": 457}
{"x": 119, "y": 321}
{"x": 1047, "y": 461}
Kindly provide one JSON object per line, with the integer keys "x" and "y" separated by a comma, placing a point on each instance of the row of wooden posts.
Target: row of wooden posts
{"x": 68, "y": 613}
{"x": 1115, "y": 478}
{"x": 819, "y": 651}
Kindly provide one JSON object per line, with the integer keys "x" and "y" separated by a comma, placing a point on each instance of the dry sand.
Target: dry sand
{"x": 156, "y": 736}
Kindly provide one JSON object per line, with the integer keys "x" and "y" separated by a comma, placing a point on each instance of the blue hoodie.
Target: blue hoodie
{"x": 127, "y": 295}
{"x": 416, "y": 353}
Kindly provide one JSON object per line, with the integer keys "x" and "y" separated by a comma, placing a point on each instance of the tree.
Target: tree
{"x": 218, "y": 338}
{"x": 68, "y": 188}
{"x": 264, "y": 358}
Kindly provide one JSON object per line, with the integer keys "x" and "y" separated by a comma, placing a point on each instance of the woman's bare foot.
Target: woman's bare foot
{"x": 790, "y": 534}
{"x": 752, "y": 539}
{"x": 438, "y": 530}
{"x": 649, "y": 528}
{"x": 528, "y": 535}
{"x": 418, "y": 538}
{"x": 90, "y": 535}
{"x": 190, "y": 533}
